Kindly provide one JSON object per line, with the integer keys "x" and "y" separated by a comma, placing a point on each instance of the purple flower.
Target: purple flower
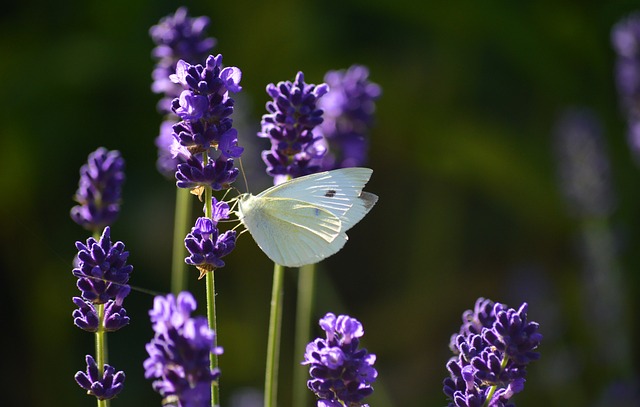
{"x": 207, "y": 246}
{"x": 179, "y": 352}
{"x": 341, "y": 373}
{"x": 206, "y": 126}
{"x": 293, "y": 114}
{"x": 102, "y": 269}
{"x": 177, "y": 37}
{"x": 349, "y": 109}
{"x": 625, "y": 38}
{"x": 86, "y": 316}
{"x": 103, "y": 387}
{"x": 492, "y": 350}
{"x": 99, "y": 190}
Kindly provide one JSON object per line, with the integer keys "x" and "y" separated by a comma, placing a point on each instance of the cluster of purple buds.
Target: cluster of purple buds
{"x": 103, "y": 386}
{"x": 625, "y": 38}
{"x": 349, "y": 109}
{"x": 177, "y": 37}
{"x": 491, "y": 352}
{"x": 100, "y": 265}
{"x": 341, "y": 372}
{"x": 293, "y": 114}
{"x": 205, "y": 243}
{"x": 179, "y": 352}
{"x": 99, "y": 190}
{"x": 204, "y": 140}
{"x": 103, "y": 273}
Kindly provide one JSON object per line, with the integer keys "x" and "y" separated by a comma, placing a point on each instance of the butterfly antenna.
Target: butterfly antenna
{"x": 244, "y": 176}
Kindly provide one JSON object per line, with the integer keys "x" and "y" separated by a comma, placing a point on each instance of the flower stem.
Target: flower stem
{"x": 304, "y": 315}
{"x": 211, "y": 301}
{"x": 101, "y": 348}
{"x": 211, "y": 316}
{"x": 180, "y": 229}
{"x": 101, "y": 339}
{"x": 273, "y": 343}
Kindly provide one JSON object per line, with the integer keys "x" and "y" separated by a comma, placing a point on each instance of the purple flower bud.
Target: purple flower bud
{"x": 85, "y": 317}
{"x": 207, "y": 246}
{"x": 103, "y": 387}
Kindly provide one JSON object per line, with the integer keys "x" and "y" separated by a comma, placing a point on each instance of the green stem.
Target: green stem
{"x": 181, "y": 224}
{"x": 101, "y": 338}
{"x": 273, "y": 343}
{"x": 101, "y": 348}
{"x": 493, "y": 389}
{"x": 211, "y": 301}
{"x": 211, "y": 317}
{"x": 304, "y": 315}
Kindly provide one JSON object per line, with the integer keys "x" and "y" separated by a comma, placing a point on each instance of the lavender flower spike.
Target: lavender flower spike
{"x": 99, "y": 190}
{"x": 205, "y": 109}
{"x": 491, "y": 352}
{"x": 349, "y": 109}
{"x": 102, "y": 269}
{"x": 179, "y": 352}
{"x": 293, "y": 114}
{"x": 103, "y": 388}
{"x": 341, "y": 373}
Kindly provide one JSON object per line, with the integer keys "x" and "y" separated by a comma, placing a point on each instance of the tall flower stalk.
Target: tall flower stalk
{"x": 289, "y": 125}
{"x": 348, "y": 116}
{"x": 177, "y": 37}
{"x": 101, "y": 269}
{"x": 207, "y": 145}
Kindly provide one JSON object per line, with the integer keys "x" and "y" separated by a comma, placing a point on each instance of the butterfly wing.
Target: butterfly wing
{"x": 338, "y": 191}
{"x": 291, "y": 232}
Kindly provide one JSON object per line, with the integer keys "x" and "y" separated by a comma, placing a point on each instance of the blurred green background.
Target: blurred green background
{"x": 470, "y": 202}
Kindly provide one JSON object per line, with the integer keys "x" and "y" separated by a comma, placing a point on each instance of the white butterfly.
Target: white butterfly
{"x": 304, "y": 220}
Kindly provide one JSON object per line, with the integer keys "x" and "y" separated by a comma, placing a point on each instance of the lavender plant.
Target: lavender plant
{"x": 208, "y": 144}
{"x": 179, "y": 353}
{"x": 289, "y": 126}
{"x": 341, "y": 372}
{"x": 293, "y": 115}
{"x": 491, "y": 352}
{"x": 177, "y": 37}
{"x": 101, "y": 269}
{"x": 349, "y": 109}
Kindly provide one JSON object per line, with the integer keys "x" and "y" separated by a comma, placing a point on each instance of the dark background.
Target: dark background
{"x": 470, "y": 201}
